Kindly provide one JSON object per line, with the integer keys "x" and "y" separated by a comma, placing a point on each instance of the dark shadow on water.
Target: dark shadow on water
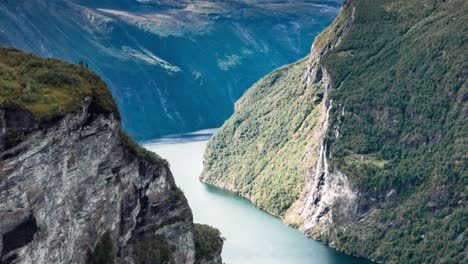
{"x": 227, "y": 194}
{"x": 336, "y": 257}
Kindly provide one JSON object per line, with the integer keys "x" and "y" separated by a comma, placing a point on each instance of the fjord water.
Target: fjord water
{"x": 252, "y": 235}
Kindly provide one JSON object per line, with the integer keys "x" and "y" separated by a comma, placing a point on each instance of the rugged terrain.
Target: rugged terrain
{"x": 74, "y": 188}
{"x": 169, "y": 62}
{"x": 363, "y": 143}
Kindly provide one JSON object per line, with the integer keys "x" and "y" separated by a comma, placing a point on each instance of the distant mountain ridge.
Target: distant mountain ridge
{"x": 181, "y": 63}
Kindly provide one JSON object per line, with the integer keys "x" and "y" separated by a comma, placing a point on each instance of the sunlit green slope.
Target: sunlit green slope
{"x": 397, "y": 129}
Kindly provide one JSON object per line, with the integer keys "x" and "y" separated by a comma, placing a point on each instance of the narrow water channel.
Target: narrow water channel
{"x": 252, "y": 236}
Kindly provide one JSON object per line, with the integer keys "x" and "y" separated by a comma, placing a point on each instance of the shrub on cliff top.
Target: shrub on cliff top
{"x": 141, "y": 152}
{"x": 208, "y": 242}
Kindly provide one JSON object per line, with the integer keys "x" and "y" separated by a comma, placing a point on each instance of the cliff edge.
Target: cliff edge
{"x": 74, "y": 188}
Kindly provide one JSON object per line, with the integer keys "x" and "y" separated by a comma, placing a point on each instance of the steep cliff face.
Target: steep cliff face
{"x": 276, "y": 136}
{"x": 328, "y": 192}
{"x": 378, "y": 160}
{"x": 73, "y": 187}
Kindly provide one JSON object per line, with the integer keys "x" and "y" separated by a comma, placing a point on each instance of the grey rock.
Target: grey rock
{"x": 65, "y": 184}
{"x": 329, "y": 199}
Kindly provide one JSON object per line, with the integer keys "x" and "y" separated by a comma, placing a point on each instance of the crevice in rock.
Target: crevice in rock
{"x": 18, "y": 237}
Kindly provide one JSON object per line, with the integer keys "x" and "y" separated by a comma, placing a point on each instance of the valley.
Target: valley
{"x": 169, "y": 62}
{"x": 348, "y": 147}
{"x": 252, "y": 236}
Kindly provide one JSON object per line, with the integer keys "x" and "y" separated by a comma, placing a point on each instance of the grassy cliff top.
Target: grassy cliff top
{"x": 208, "y": 242}
{"x": 49, "y": 87}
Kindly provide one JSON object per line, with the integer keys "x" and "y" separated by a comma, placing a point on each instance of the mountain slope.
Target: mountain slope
{"x": 169, "y": 62}
{"x": 375, "y": 164}
{"x": 74, "y": 188}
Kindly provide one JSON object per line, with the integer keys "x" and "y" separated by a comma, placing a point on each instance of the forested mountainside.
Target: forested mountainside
{"x": 181, "y": 63}
{"x": 74, "y": 188}
{"x": 363, "y": 143}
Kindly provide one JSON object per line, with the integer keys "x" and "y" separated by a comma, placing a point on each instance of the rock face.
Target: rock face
{"x": 364, "y": 149}
{"x": 215, "y": 260}
{"x": 72, "y": 183}
{"x": 328, "y": 192}
{"x": 64, "y": 187}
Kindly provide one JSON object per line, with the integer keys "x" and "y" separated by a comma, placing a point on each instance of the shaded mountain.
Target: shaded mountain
{"x": 181, "y": 63}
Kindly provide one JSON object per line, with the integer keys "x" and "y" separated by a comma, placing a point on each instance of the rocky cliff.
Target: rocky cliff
{"x": 361, "y": 144}
{"x": 73, "y": 187}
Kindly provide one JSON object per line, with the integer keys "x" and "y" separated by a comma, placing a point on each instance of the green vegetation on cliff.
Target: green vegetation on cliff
{"x": 153, "y": 250}
{"x": 103, "y": 253}
{"x": 49, "y": 87}
{"x": 401, "y": 77}
{"x": 401, "y": 72}
{"x": 398, "y": 130}
{"x": 208, "y": 242}
{"x": 256, "y": 153}
{"x": 141, "y": 152}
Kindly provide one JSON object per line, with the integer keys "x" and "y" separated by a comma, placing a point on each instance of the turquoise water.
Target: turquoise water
{"x": 252, "y": 235}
